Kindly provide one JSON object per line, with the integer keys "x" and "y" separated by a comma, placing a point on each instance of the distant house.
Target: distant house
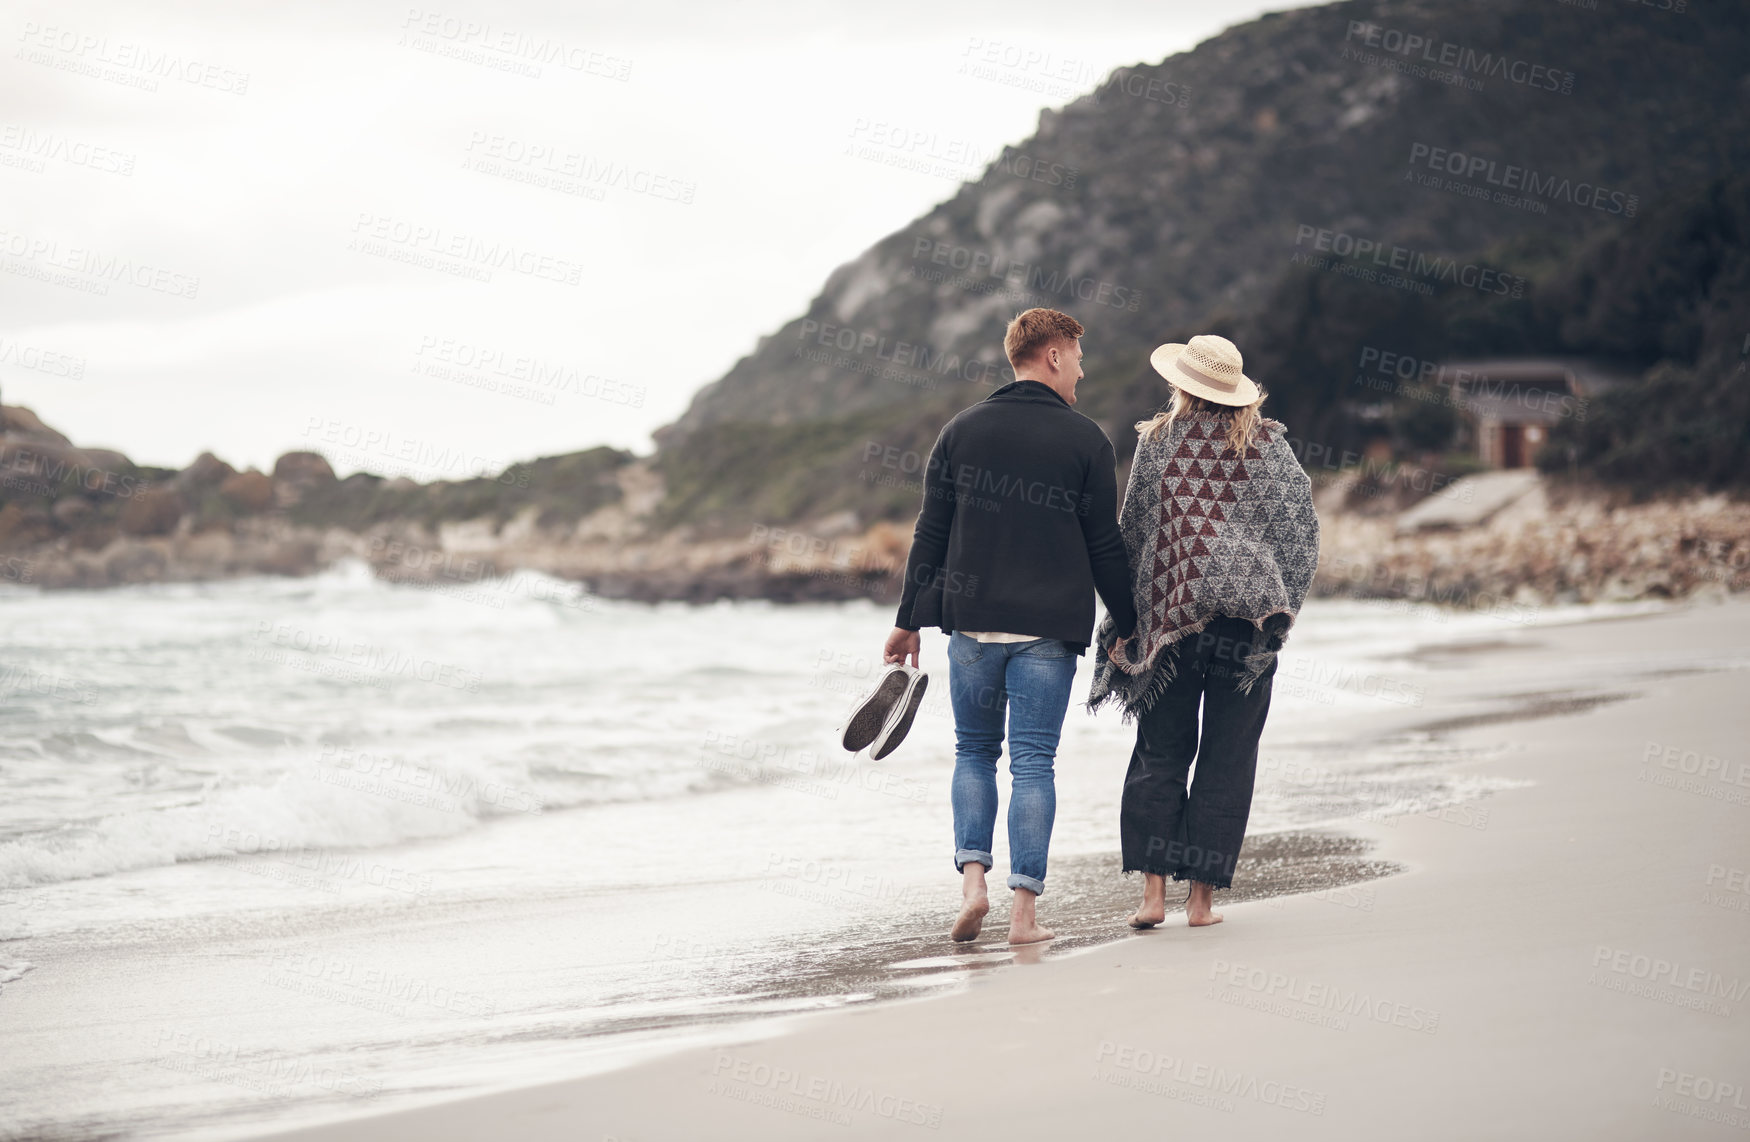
{"x": 1507, "y": 407}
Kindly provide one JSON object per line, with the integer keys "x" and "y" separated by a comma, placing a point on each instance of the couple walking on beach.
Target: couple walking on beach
{"x": 1202, "y": 576}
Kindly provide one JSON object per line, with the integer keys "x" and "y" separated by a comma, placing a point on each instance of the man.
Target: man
{"x": 1019, "y": 528}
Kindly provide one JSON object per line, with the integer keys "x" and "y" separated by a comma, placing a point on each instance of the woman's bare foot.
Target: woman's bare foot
{"x": 1199, "y": 912}
{"x": 1154, "y": 902}
{"x": 975, "y": 902}
{"x": 1023, "y": 925}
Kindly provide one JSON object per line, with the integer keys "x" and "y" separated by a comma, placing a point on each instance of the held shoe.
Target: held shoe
{"x": 872, "y": 712}
{"x": 899, "y": 722}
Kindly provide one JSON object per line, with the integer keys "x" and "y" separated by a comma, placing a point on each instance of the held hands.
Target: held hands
{"x": 1110, "y": 642}
{"x": 901, "y": 643}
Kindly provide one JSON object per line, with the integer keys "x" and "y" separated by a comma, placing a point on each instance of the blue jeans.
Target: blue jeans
{"x": 1030, "y": 681}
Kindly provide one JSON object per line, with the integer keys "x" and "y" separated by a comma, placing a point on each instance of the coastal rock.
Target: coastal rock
{"x": 303, "y": 468}
{"x": 296, "y": 473}
{"x": 16, "y": 421}
{"x": 207, "y": 471}
{"x": 250, "y": 491}
{"x": 71, "y": 511}
{"x": 151, "y": 511}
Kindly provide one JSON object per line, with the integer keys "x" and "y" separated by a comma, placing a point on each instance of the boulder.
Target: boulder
{"x": 18, "y": 421}
{"x": 296, "y": 473}
{"x": 250, "y": 491}
{"x": 307, "y": 468}
{"x": 70, "y": 510}
{"x": 22, "y": 527}
{"x": 207, "y": 471}
{"x": 151, "y": 511}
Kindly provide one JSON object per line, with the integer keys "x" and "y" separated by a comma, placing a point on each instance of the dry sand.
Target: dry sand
{"x": 1565, "y": 960}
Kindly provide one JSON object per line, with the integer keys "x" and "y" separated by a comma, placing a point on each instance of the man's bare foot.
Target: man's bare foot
{"x": 1199, "y": 910}
{"x": 975, "y": 903}
{"x": 970, "y": 922}
{"x": 1154, "y": 902}
{"x": 1023, "y": 925}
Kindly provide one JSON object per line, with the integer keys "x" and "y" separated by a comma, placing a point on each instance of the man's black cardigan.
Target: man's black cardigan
{"x": 1020, "y": 523}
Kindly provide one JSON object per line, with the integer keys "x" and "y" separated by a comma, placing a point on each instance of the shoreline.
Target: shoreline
{"x": 1454, "y": 887}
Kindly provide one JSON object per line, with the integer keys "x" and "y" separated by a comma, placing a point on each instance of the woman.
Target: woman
{"x": 1223, "y": 543}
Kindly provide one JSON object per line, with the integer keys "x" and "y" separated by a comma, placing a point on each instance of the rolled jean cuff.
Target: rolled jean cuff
{"x": 972, "y": 856}
{"x": 1031, "y": 884}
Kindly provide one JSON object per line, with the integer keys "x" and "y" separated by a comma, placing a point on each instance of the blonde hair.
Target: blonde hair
{"x": 1242, "y": 420}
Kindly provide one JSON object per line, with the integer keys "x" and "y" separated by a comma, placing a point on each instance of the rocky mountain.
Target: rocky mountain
{"x": 1417, "y": 177}
{"x": 1329, "y": 186}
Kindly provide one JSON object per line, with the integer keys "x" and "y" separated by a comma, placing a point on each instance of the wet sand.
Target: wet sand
{"x": 1563, "y": 959}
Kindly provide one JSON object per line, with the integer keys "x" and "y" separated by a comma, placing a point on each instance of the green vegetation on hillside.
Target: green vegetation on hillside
{"x": 1238, "y": 209}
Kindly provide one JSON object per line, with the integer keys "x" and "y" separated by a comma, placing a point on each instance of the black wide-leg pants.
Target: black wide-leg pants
{"x": 1196, "y": 833}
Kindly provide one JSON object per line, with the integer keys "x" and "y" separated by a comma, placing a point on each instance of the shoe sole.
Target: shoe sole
{"x": 867, "y": 720}
{"x": 890, "y": 741}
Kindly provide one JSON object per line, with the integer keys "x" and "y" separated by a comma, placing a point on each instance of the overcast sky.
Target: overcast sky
{"x": 335, "y": 226}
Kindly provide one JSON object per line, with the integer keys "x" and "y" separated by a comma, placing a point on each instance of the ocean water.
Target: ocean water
{"x": 275, "y": 850}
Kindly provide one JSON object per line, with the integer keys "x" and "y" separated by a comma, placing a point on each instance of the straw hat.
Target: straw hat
{"x": 1207, "y": 366}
